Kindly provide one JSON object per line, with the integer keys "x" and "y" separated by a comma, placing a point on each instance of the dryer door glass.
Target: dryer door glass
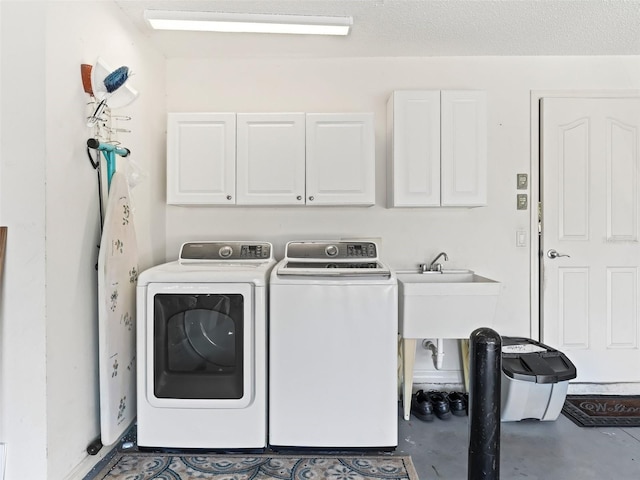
{"x": 198, "y": 346}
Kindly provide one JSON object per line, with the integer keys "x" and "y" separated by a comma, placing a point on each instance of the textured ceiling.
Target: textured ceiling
{"x": 384, "y": 28}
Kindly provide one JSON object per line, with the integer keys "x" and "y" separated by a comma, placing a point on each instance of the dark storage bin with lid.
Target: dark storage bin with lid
{"x": 535, "y": 378}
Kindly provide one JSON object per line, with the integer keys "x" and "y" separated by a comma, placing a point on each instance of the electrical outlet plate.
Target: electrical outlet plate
{"x": 523, "y": 201}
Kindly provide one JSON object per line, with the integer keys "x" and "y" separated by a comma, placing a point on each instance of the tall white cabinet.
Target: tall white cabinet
{"x": 437, "y": 148}
{"x": 271, "y": 159}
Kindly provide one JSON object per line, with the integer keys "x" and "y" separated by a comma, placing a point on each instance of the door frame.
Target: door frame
{"x": 535, "y": 185}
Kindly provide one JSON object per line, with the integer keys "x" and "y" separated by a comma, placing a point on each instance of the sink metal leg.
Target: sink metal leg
{"x": 464, "y": 349}
{"x": 409, "y": 357}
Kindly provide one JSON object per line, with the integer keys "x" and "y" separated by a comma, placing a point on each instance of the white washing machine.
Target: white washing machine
{"x": 202, "y": 348}
{"x": 333, "y": 343}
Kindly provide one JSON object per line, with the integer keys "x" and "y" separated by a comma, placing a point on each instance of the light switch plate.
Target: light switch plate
{"x": 523, "y": 181}
{"x": 523, "y": 201}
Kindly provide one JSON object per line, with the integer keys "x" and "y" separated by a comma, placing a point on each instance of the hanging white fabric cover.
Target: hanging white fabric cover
{"x": 117, "y": 279}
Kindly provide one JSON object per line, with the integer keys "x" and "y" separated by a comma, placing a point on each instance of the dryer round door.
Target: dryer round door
{"x": 200, "y": 345}
{"x": 211, "y": 334}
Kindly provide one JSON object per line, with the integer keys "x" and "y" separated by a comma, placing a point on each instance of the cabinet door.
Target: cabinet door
{"x": 413, "y": 148}
{"x": 270, "y": 159}
{"x": 201, "y": 151}
{"x": 340, "y": 159}
{"x": 464, "y": 148}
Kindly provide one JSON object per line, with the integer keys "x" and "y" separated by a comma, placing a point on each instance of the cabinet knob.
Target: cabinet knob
{"x": 311, "y": 198}
{"x": 229, "y": 197}
{"x": 299, "y": 197}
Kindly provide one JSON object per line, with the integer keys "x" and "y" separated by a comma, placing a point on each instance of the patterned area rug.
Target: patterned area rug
{"x": 603, "y": 410}
{"x": 148, "y": 466}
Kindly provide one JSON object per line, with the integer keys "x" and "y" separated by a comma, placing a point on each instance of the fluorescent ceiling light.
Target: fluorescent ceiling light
{"x": 247, "y": 22}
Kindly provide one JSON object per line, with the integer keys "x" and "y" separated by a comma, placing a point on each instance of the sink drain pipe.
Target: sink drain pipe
{"x": 485, "y": 356}
{"x": 437, "y": 351}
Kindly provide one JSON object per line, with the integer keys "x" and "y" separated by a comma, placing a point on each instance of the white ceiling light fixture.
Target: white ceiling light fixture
{"x": 247, "y": 22}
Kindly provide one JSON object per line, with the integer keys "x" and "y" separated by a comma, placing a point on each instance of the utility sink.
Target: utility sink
{"x": 445, "y": 304}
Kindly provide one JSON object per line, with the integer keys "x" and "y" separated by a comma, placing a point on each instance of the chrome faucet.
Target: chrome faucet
{"x": 433, "y": 266}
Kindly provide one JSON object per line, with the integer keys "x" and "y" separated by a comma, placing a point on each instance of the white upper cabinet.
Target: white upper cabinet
{"x": 413, "y": 147}
{"x": 437, "y": 148}
{"x": 201, "y": 158}
{"x": 340, "y": 159}
{"x": 463, "y": 148}
{"x": 270, "y": 158}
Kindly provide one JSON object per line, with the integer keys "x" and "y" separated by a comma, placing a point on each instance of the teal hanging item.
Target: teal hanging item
{"x": 109, "y": 152}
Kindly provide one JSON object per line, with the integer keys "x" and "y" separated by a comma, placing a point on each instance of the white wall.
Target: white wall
{"x": 48, "y": 191}
{"x": 482, "y": 239}
{"x": 1, "y": 266}
{"x": 22, "y": 316}
{"x": 49, "y": 380}
{"x": 79, "y": 32}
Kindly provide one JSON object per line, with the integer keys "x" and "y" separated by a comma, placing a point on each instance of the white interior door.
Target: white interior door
{"x": 590, "y": 163}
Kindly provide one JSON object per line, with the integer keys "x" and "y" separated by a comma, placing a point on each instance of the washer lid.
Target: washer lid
{"x": 335, "y": 270}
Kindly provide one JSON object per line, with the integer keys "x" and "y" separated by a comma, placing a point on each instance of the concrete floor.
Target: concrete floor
{"x": 531, "y": 450}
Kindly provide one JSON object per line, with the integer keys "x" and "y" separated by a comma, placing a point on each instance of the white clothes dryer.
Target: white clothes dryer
{"x": 202, "y": 348}
{"x": 333, "y": 343}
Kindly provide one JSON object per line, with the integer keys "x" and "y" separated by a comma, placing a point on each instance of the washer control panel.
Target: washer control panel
{"x": 334, "y": 250}
{"x": 205, "y": 251}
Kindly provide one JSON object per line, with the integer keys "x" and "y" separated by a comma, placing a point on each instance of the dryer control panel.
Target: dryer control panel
{"x": 216, "y": 251}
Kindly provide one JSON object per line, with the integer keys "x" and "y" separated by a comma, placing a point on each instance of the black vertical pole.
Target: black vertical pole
{"x": 485, "y": 356}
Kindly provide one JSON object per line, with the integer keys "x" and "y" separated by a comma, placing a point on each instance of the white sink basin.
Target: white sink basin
{"x": 448, "y": 304}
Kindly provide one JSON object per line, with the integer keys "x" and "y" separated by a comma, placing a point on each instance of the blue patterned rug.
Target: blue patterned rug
{"x": 149, "y": 466}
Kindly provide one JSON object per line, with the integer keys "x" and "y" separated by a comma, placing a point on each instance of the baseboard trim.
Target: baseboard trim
{"x": 604, "y": 389}
{"x": 454, "y": 379}
{"x": 88, "y": 463}
{"x": 438, "y": 376}
{"x": 3, "y": 459}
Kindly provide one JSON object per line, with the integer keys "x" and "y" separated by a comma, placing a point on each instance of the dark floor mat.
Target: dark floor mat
{"x": 603, "y": 410}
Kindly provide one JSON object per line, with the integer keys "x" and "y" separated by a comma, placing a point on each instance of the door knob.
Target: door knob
{"x": 554, "y": 254}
